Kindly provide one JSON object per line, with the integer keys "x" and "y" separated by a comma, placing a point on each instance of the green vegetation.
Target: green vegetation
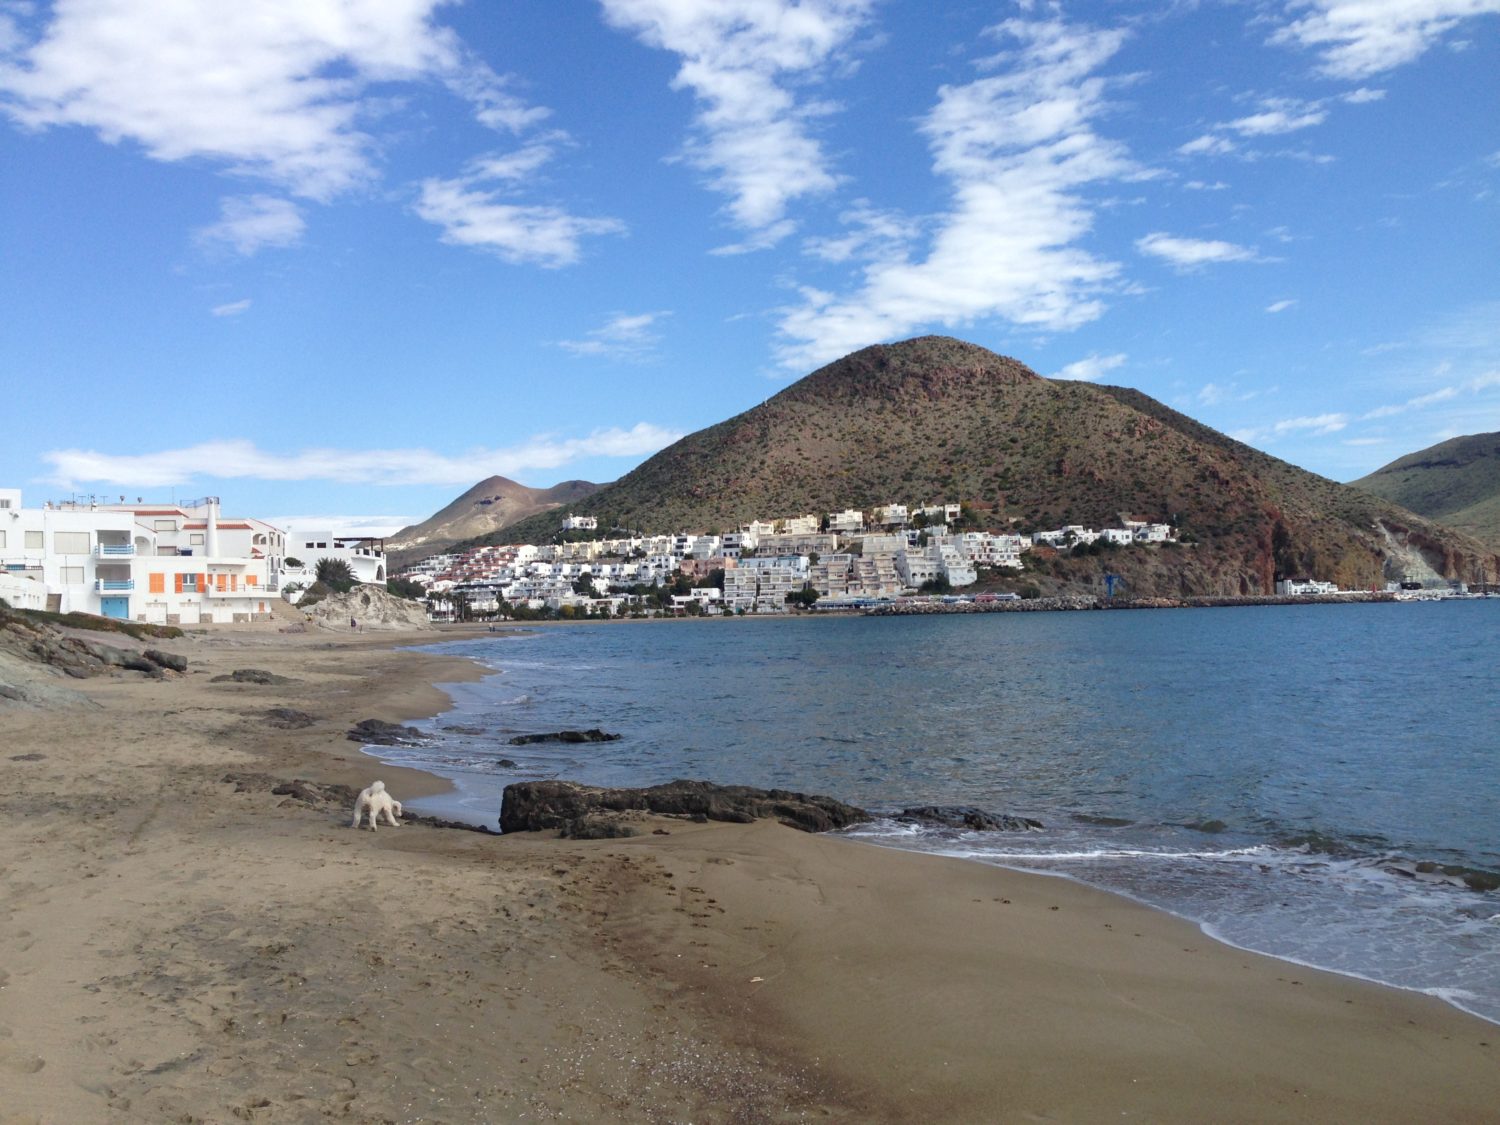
{"x": 136, "y": 629}
{"x": 1456, "y": 482}
{"x": 337, "y": 575}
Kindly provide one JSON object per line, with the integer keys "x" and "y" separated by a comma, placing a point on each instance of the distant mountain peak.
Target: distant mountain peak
{"x": 925, "y": 367}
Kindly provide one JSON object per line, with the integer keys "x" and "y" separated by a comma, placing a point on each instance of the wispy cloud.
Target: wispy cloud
{"x": 1315, "y": 424}
{"x": 233, "y": 308}
{"x": 1280, "y": 306}
{"x": 250, "y": 223}
{"x": 1191, "y": 253}
{"x": 740, "y": 58}
{"x": 474, "y": 211}
{"x": 1476, "y": 385}
{"x": 623, "y": 336}
{"x": 1279, "y": 115}
{"x": 277, "y": 91}
{"x": 1016, "y": 147}
{"x": 223, "y": 460}
{"x": 1209, "y": 144}
{"x": 1361, "y": 38}
{"x": 1204, "y": 185}
{"x": 1091, "y": 367}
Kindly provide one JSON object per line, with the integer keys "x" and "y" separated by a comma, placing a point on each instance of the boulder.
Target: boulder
{"x": 593, "y": 734}
{"x": 967, "y": 816}
{"x": 378, "y": 732}
{"x": 287, "y": 718}
{"x": 531, "y": 806}
{"x": 168, "y": 660}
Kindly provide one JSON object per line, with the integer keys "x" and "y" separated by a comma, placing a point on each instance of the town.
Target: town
{"x": 186, "y": 563}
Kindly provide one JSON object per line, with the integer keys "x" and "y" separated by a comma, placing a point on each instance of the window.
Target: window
{"x": 70, "y": 542}
{"x": 33, "y": 540}
{"x": 2, "y": 540}
{"x": 195, "y": 538}
{"x": 157, "y": 583}
{"x": 72, "y": 576}
{"x": 164, "y": 525}
{"x": 4, "y": 503}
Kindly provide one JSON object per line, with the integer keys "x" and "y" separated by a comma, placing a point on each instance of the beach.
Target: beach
{"x": 180, "y": 943}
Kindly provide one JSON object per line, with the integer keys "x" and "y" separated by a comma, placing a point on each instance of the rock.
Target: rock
{"x": 530, "y": 806}
{"x": 471, "y": 731}
{"x": 967, "y": 816}
{"x": 285, "y": 718}
{"x": 251, "y": 676}
{"x": 597, "y": 828}
{"x": 593, "y": 734}
{"x": 32, "y": 757}
{"x": 168, "y": 660}
{"x": 372, "y": 607}
{"x": 506, "y": 764}
{"x": 378, "y": 732}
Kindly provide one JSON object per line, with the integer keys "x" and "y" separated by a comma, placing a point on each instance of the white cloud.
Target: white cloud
{"x": 1202, "y": 185}
{"x": 1189, "y": 253}
{"x": 473, "y": 213}
{"x": 1481, "y": 382}
{"x": 1362, "y": 38}
{"x": 234, "y": 308}
{"x": 250, "y": 223}
{"x": 1091, "y": 367}
{"x": 1016, "y": 147}
{"x": 1280, "y": 306}
{"x": 624, "y": 336}
{"x": 342, "y": 527}
{"x": 1209, "y": 144}
{"x": 738, "y": 57}
{"x": 280, "y": 91}
{"x": 1317, "y": 424}
{"x": 223, "y": 460}
{"x": 1284, "y": 118}
{"x": 1362, "y": 96}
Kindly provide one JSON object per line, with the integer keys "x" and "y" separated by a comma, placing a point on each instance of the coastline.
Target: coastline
{"x": 186, "y": 947}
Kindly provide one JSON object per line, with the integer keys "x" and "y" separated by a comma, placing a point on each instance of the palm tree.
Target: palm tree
{"x": 337, "y": 575}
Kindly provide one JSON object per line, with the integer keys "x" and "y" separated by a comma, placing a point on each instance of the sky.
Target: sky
{"x": 336, "y": 261}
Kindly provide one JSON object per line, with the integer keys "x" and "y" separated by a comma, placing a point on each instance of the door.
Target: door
{"x": 115, "y": 607}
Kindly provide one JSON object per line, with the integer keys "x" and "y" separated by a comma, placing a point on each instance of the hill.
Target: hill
{"x": 484, "y": 509}
{"x": 936, "y": 419}
{"x": 1456, "y": 482}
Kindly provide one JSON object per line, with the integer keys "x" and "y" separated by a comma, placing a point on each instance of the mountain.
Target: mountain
{"x": 936, "y": 419}
{"x": 486, "y": 508}
{"x": 1456, "y": 482}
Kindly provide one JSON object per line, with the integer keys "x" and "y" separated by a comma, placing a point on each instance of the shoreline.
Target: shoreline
{"x": 187, "y": 948}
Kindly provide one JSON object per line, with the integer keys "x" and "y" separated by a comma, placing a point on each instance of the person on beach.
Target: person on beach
{"x": 353, "y": 624}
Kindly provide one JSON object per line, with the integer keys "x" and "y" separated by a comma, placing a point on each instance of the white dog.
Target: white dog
{"x": 375, "y": 800}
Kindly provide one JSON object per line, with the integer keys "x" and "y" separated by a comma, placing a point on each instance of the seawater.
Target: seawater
{"x": 1258, "y": 770}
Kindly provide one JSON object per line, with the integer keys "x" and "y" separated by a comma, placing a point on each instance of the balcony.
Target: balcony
{"x": 114, "y": 551}
{"x": 114, "y": 585}
{"x": 243, "y": 591}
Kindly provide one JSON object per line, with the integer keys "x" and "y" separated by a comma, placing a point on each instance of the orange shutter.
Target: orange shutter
{"x": 251, "y": 580}
{"x": 157, "y": 583}
{"x": 177, "y": 583}
{"x": 222, "y": 582}
{"x": 202, "y": 583}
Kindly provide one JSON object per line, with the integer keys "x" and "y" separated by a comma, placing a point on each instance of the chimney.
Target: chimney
{"x": 211, "y": 540}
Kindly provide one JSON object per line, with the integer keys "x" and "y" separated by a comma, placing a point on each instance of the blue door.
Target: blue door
{"x": 115, "y": 607}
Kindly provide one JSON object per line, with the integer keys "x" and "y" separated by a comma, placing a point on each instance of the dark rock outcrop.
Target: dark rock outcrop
{"x": 251, "y": 676}
{"x": 967, "y": 816}
{"x": 531, "y": 806}
{"x": 378, "y": 732}
{"x": 168, "y": 660}
{"x": 593, "y": 734}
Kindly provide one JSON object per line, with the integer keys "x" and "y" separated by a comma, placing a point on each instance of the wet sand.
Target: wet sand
{"x": 178, "y": 947}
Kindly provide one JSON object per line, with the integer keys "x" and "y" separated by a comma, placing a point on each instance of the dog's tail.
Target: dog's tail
{"x": 377, "y": 787}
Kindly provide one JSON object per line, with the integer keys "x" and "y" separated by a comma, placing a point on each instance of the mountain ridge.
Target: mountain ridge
{"x": 936, "y": 419}
{"x": 492, "y": 504}
{"x": 1456, "y": 482}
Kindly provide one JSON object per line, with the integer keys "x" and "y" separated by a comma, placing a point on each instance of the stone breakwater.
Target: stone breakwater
{"x": 1076, "y": 601}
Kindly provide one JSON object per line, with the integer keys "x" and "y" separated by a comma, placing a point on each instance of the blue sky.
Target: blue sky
{"x": 338, "y": 260}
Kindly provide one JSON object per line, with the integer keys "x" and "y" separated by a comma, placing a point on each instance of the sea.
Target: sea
{"x": 1310, "y": 782}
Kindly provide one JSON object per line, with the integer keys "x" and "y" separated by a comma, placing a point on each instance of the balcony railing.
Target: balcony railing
{"x": 114, "y": 585}
{"x": 114, "y": 551}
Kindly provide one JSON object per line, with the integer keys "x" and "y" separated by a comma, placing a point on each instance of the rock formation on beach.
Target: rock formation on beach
{"x": 532, "y": 806}
{"x": 374, "y": 609}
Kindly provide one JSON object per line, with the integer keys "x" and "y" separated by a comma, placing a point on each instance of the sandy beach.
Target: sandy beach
{"x": 181, "y": 944}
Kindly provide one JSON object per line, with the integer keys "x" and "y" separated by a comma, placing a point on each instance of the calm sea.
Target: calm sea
{"x": 1261, "y": 771}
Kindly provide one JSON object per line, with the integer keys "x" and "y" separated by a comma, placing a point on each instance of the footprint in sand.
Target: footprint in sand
{"x": 18, "y": 1062}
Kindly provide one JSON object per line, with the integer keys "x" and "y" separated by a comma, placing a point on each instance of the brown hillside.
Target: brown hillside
{"x": 935, "y": 419}
{"x": 1456, "y": 481}
{"x": 484, "y": 509}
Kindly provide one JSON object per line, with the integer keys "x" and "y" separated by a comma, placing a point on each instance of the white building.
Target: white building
{"x": 165, "y": 564}
{"x": 580, "y": 523}
{"x": 847, "y": 522}
{"x": 365, "y": 557}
